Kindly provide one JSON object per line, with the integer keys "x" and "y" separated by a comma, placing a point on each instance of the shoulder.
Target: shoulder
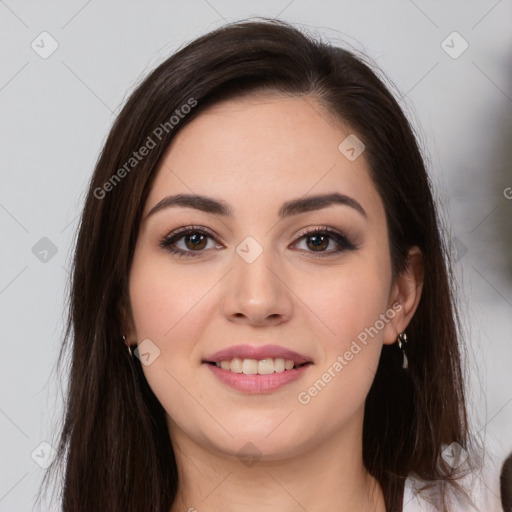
{"x": 477, "y": 491}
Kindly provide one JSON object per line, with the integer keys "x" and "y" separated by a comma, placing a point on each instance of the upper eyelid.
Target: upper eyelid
{"x": 189, "y": 229}
{"x": 319, "y": 228}
{"x": 304, "y": 231}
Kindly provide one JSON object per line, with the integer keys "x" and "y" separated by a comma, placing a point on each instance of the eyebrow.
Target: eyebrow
{"x": 289, "y": 208}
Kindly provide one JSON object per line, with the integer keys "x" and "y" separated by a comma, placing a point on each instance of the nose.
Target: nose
{"x": 256, "y": 293}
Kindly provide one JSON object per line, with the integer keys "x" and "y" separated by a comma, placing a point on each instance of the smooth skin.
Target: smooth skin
{"x": 254, "y": 153}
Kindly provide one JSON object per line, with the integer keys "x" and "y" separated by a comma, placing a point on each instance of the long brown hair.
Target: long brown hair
{"x": 114, "y": 450}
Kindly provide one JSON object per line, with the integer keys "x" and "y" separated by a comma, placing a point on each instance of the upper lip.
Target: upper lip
{"x": 258, "y": 353}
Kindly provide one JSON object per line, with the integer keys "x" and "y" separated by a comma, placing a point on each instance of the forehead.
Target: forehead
{"x": 262, "y": 149}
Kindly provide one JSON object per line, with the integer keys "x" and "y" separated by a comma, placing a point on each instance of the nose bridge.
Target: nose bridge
{"x": 253, "y": 262}
{"x": 255, "y": 288}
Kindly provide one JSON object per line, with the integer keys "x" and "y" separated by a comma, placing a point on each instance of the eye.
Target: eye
{"x": 319, "y": 239}
{"x": 189, "y": 241}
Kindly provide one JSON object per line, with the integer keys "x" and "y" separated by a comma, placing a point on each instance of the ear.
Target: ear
{"x": 126, "y": 323}
{"x": 405, "y": 296}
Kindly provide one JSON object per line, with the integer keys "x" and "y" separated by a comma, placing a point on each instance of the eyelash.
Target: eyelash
{"x": 168, "y": 241}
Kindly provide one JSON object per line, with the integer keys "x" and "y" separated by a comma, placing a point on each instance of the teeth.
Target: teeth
{"x": 234, "y": 366}
{"x": 279, "y": 365}
{"x": 253, "y": 366}
{"x": 250, "y": 367}
{"x": 266, "y": 366}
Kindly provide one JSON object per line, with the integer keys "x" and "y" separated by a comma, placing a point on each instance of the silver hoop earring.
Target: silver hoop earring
{"x": 402, "y": 340}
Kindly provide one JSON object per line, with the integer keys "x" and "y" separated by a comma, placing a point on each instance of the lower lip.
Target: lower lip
{"x": 257, "y": 383}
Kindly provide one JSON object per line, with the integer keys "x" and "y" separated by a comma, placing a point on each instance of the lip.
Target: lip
{"x": 257, "y": 383}
{"x": 258, "y": 353}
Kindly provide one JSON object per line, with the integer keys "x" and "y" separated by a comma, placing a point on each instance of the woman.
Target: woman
{"x": 260, "y": 231}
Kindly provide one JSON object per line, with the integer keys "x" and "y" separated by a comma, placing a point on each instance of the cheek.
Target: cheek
{"x": 351, "y": 305}
{"x": 172, "y": 306}
{"x": 162, "y": 297}
{"x": 347, "y": 300}
{"x": 343, "y": 377}
{"x": 169, "y": 309}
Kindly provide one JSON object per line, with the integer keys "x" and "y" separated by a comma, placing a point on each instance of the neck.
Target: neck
{"x": 329, "y": 475}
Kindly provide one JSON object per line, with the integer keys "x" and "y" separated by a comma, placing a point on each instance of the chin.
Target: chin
{"x": 257, "y": 445}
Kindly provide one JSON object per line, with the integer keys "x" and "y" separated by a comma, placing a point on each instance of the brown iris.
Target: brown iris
{"x": 197, "y": 241}
{"x": 322, "y": 241}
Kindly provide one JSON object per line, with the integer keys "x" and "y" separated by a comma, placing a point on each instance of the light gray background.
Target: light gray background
{"x": 56, "y": 112}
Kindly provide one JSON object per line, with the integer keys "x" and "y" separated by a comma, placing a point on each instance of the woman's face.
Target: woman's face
{"x": 248, "y": 276}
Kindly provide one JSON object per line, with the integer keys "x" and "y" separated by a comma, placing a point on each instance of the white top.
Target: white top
{"x": 483, "y": 487}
